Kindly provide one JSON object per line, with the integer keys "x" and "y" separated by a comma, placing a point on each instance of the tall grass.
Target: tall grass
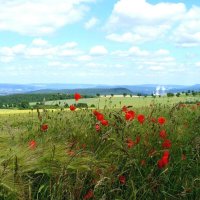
{"x": 72, "y": 160}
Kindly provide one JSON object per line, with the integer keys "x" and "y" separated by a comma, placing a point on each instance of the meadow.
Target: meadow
{"x": 124, "y": 148}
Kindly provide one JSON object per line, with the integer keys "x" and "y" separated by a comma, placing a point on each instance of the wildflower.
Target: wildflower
{"x": 161, "y": 120}
{"x": 100, "y": 117}
{"x": 166, "y": 144}
{"x": 163, "y": 134}
{"x": 164, "y": 160}
{"x": 44, "y": 127}
{"x": 77, "y": 96}
{"x": 97, "y": 127}
{"x": 104, "y": 122}
{"x": 122, "y": 179}
{"x": 129, "y": 116}
{"x": 95, "y": 112}
{"x": 72, "y": 107}
{"x": 89, "y": 194}
{"x": 124, "y": 109}
{"x": 137, "y": 140}
{"x": 130, "y": 143}
{"x": 141, "y": 118}
{"x": 32, "y": 144}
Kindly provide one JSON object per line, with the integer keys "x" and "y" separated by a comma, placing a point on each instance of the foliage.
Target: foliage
{"x": 72, "y": 155}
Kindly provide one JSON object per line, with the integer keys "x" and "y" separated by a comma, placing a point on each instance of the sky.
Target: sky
{"x": 100, "y": 41}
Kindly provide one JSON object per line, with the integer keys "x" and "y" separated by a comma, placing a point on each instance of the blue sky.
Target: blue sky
{"x": 100, "y": 41}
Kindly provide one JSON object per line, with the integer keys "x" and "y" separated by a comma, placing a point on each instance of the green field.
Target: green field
{"x": 77, "y": 157}
{"x": 117, "y": 102}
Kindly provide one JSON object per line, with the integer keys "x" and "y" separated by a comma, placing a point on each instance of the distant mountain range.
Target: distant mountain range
{"x": 6, "y": 89}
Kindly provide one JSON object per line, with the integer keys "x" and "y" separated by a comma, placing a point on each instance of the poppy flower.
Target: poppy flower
{"x": 137, "y": 140}
{"x": 32, "y": 144}
{"x": 124, "y": 109}
{"x": 72, "y": 107}
{"x": 141, "y": 118}
{"x": 77, "y": 96}
{"x": 95, "y": 112}
{"x": 104, "y": 122}
{"x": 129, "y": 116}
{"x": 166, "y": 144}
{"x": 89, "y": 195}
{"x": 100, "y": 117}
{"x": 163, "y": 134}
{"x": 97, "y": 127}
{"x": 122, "y": 179}
{"x": 44, "y": 127}
{"x": 164, "y": 160}
{"x": 130, "y": 143}
{"x": 161, "y": 120}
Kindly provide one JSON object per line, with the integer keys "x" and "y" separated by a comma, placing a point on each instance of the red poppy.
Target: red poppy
{"x": 77, "y": 96}
{"x": 44, "y": 127}
{"x": 166, "y": 144}
{"x": 163, "y": 134}
{"x": 141, "y": 118}
{"x": 95, "y": 112}
{"x": 137, "y": 140}
{"x": 122, "y": 179}
{"x": 166, "y": 153}
{"x": 130, "y": 143}
{"x": 100, "y": 117}
{"x": 104, "y": 122}
{"x": 130, "y": 115}
{"x": 89, "y": 194}
{"x": 124, "y": 109}
{"x": 161, "y": 120}
{"x": 72, "y": 107}
{"x": 32, "y": 144}
{"x": 97, "y": 127}
{"x": 164, "y": 160}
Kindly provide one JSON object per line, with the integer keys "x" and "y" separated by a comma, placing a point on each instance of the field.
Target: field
{"x": 118, "y": 101}
{"x": 147, "y": 150}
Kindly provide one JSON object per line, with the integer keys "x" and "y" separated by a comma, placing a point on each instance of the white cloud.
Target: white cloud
{"x": 98, "y": 50}
{"x": 187, "y": 34}
{"x": 40, "y": 17}
{"x": 84, "y": 58}
{"x": 39, "y": 42}
{"x": 140, "y": 21}
{"x": 91, "y": 23}
{"x": 197, "y": 64}
{"x": 156, "y": 68}
{"x": 70, "y": 45}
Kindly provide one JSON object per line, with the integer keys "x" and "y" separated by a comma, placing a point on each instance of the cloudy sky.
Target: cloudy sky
{"x": 100, "y": 41}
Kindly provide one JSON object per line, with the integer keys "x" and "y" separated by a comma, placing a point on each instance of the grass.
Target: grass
{"x": 71, "y": 158}
{"x": 117, "y": 102}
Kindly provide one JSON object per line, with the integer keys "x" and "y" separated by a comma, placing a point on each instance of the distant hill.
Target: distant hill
{"x": 6, "y": 89}
{"x": 88, "y": 91}
{"x": 51, "y": 95}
